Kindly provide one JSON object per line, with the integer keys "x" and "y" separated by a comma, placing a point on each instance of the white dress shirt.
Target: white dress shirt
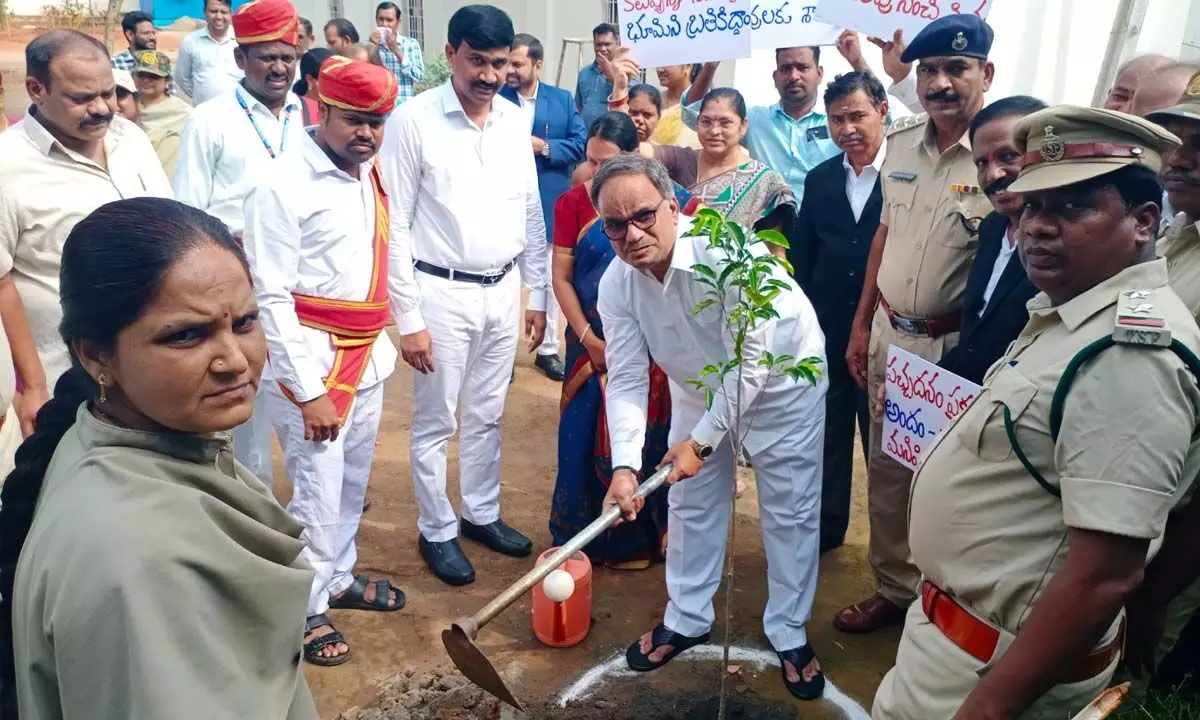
{"x": 529, "y": 105}
{"x": 643, "y": 317}
{"x": 1007, "y": 248}
{"x": 859, "y": 187}
{"x": 309, "y": 229}
{"x": 463, "y": 197}
{"x": 221, "y": 155}
{"x": 45, "y": 189}
{"x": 206, "y": 67}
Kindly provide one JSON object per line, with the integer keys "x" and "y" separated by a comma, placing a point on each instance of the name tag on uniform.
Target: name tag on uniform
{"x": 965, "y": 189}
{"x": 820, "y": 132}
{"x": 902, "y": 176}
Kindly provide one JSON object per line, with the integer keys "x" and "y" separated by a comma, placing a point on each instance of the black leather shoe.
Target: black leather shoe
{"x": 499, "y": 537}
{"x": 551, "y": 366}
{"x": 447, "y": 560}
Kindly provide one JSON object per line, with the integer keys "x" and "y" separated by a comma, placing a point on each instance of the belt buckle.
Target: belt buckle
{"x": 909, "y": 325}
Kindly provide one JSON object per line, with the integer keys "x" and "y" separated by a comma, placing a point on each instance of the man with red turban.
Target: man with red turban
{"x": 233, "y": 140}
{"x": 317, "y": 240}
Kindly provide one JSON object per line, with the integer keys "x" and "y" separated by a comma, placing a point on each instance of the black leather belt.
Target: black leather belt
{"x": 458, "y": 275}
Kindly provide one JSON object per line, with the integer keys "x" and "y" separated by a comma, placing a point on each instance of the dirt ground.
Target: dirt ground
{"x": 400, "y": 670}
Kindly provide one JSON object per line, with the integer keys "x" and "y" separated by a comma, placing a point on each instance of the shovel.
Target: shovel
{"x": 459, "y": 638}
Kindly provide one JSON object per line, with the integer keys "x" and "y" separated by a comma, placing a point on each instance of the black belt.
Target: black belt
{"x": 460, "y": 276}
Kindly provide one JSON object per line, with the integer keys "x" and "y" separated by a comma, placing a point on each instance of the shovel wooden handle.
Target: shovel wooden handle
{"x": 564, "y": 553}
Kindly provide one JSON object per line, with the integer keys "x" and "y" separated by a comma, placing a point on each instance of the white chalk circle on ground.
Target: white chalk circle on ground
{"x": 615, "y": 667}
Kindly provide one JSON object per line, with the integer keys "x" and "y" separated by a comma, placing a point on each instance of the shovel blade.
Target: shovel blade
{"x": 473, "y": 664}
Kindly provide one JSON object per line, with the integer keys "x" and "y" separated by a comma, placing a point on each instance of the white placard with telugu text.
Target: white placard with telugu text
{"x": 677, "y": 32}
{"x": 920, "y": 400}
{"x": 882, "y": 18}
{"x": 790, "y": 23}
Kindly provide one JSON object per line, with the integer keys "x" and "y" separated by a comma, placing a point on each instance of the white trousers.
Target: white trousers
{"x": 549, "y": 344}
{"x": 329, "y": 483}
{"x": 474, "y": 329}
{"x": 788, "y": 477}
{"x": 252, "y": 439}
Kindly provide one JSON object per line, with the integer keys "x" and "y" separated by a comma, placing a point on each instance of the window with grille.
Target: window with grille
{"x": 610, "y": 11}
{"x": 335, "y": 9}
{"x": 415, "y": 27}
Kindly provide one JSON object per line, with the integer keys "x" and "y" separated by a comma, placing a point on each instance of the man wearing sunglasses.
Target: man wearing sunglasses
{"x": 646, "y": 306}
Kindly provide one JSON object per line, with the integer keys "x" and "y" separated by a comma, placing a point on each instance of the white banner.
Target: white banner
{"x": 790, "y": 23}
{"x": 676, "y": 32}
{"x": 882, "y": 18}
{"x": 920, "y": 400}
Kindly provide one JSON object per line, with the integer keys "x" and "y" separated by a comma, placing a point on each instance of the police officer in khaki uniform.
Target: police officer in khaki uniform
{"x": 1169, "y": 597}
{"x": 1033, "y": 514}
{"x": 917, "y": 273}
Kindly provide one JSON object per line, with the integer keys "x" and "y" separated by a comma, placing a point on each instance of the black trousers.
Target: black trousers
{"x": 845, "y": 403}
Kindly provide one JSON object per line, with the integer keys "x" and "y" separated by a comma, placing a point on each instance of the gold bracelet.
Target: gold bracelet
{"x": 584, "y": 334}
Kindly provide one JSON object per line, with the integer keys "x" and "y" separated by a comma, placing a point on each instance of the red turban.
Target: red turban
{"x": 356, "y": 85}
{"x": 265, "y": 21}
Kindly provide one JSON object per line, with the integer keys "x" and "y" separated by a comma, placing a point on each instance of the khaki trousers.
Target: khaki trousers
{"x": 888, "y": 482}
{"x": 933, "y": 677}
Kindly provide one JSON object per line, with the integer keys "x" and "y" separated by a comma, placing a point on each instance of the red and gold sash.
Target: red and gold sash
{"x": 353, "y": 325}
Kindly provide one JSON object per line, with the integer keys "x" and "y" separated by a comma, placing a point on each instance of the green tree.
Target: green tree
{"x": 437, "y": 72}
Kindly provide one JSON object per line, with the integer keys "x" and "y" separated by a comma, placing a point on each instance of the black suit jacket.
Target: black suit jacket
{"x": 983, "y": 339}
{"x": 830, "y": 249}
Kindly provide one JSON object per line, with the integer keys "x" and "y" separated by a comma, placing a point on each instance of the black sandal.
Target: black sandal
{"x": 800, "y": 658}
{"x": 658, "y": 637}
{"x": 313, "y": 648}
{"x": 355, "y": 597}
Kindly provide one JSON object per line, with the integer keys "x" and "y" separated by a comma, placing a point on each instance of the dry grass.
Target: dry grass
{"x": 1158, "y": 705}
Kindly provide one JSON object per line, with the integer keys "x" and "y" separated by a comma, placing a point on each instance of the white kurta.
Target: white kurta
{"x": 221, "y": 156}
{"x": 643, "y": 317}
{"x": 310, "y": 229}
{"x": 45, "y": 189}
{"x": 466, "y": 199}
{"x": 207, "y": 67}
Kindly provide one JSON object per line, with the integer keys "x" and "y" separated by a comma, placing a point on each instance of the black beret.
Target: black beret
{"x": 964, "y": 35}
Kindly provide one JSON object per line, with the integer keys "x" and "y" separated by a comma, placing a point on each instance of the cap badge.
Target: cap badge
{"x": 1053, "y": 148}
{"x": 960, "y": 42}
{"x": 1194, "y": 88}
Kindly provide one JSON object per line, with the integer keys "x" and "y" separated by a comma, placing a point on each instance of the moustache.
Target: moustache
{"x": 851, "y": 138}
{"x": 998, "y": 187}
{"x": 363, "y": 144}
{"x": 96, "y": 121}
{"x": 942, "y": 97}
{"x": 1181, "y": 177}
{"x": 490, "y": 87}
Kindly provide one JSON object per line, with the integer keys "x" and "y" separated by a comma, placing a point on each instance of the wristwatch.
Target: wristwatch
{"x": 702, "y": 451}
{"x": 545, "y": 149}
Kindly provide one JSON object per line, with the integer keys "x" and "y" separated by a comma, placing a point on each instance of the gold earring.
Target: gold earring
{"x": 103, "y": 389}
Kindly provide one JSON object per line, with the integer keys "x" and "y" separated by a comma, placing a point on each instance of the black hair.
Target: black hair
{"x": 307, "y": 25}
{"x": 605, "y": 29}
{"x": 226, "y": 3}
{"x": 695, "y": 73}
{"x": 649, "y": 91}
{"x": 483, "y": 27}
{"x": 1015, "y": 106}
{"x": 618, "y": 129}
{"x": 113, "y": 264}
{"x": 131, "y": 20}
{"x": 1137, "y": 185}
{"x": 387, "y": 5}
{"x": 726, "y": 93}
{"x": 310, "y": 65}
{"x": 344, "y": 28}
{"x": 535, "y": 50}
{"x": 42, "y": 50}
{"x": 816, "y": 51}
{"x": 850, "y": 83}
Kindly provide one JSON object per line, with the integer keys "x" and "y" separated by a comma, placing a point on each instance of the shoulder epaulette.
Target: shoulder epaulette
{"x": 907, "y": 123}
{"x": 1138, "y": 320}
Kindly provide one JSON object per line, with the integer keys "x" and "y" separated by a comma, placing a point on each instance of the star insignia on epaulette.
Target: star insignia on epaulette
{"x": 1141, "y": 308}
{"x": 1137, "y": 294}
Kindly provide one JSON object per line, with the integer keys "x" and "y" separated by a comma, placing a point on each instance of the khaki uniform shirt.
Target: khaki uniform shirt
{"x": 45, "y": 190}
{"x": 1181, "y": 248}
{"x": 932, "y": 209}
{"x": 160, "y": 579}
{"x": 982, "y": 528}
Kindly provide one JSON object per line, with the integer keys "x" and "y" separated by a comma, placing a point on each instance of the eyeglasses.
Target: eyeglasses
{"x": 643, "y": 220}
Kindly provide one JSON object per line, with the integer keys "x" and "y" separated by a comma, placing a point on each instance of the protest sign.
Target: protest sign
{"x": 676, "y": 32}
{"x": 920, "y": 400}
{"x": 882, "y": 18}
{"x": 790, "y": 23}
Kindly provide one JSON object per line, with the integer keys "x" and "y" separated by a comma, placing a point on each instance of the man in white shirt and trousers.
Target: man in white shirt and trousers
{"x": 465, "y": 213}
{"x": 317, "y": 241}
{"x": 230, "y": 144}
{"x": 646, "y": 305}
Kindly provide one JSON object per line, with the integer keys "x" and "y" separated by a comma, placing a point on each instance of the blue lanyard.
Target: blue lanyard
{"x": 287, "y": 116}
